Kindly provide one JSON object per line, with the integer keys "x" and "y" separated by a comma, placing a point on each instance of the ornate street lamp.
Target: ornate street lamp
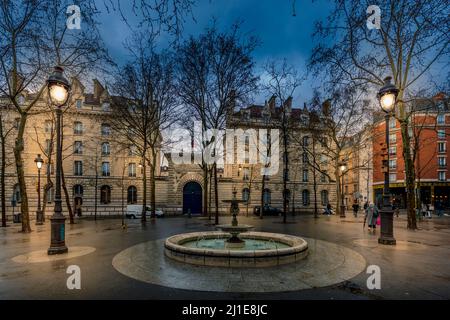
{"x": 342, "y": 167}
{"x": 59, "y": 89}
{"x": 387, "y": 97}
{"x": 39, "y": 214}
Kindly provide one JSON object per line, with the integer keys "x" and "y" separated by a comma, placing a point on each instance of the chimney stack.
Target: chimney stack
{"x": 98, "y": 89}
{"x": 272, "y": 103}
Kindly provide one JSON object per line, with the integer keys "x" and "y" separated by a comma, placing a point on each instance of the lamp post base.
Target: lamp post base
{"x": 342, "y": 215}
{"x": 58, "y": 244}
{"x": 387, "y": 227}
{"x": 39, "y": 218}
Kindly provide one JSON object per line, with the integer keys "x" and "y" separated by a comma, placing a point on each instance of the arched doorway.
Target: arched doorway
{"x": 78, "y": 198}
{"x": 192, "y": 197}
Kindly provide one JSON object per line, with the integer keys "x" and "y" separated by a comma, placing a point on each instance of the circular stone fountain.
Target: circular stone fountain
{"x": 235, "y": 246}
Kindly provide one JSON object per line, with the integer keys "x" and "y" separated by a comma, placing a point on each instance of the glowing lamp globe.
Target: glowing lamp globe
{"x": 58, "y": 87}
{"x": 388, "y": 95}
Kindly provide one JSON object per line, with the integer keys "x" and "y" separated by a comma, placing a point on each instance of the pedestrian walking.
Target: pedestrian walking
{"x": 371, "y": 217}
{"x": 355, "y": 208}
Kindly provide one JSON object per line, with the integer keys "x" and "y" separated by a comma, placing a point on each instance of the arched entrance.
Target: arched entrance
{"x": 192, "y": 197}
{"x": 78, "y": 202}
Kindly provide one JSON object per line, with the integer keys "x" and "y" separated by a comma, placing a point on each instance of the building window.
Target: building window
{"x": 441, "y": 146}
{"x": 305, "y": 197}
{"x": 266, "y": 197}
{"x": 287, "y": 195}
{"x": 305, "y": 158}
{"x": 49, "y": 168}
{"x": 132, "y": 169}
{"x": 246, "y": 174}
{"x": 105, "y": 194}
{"x": 245, "y": 194}
{"x": 50, "y": 195}
{"x": 106, "y": 129}
{"x": 78, "y": 103}
{"x": 105, "y": 106}
{"x": 441, "y": 175}
{"x": 105, "y": 149}
{"x": 21, "y": 100}
{"x": 305, "y": 175}
{"x": 393, "y": 150}
{"x": 106, "y": 169}
{"x": 48, "y": 126}
{"x": 78, "y": 168}
{"x": 132, "y": 195}
{"x": 77, "y": 127}
{"x": 346, "y": 189}
{"x": 17, "y": 197}
{"x": 440, "y": 119}
{"x": 441, "y": 134}
{"x": 442, "y": 161}
{"x": 324, "y": 197}
{"x": 286, "y": 174}
{"x": 392, "y": 138}
{"x": 16, "y": 123}
{"x": 305, "y": 141}
{"x": 392, "y": 164}
{"x": 78, "y": 147}
{"x": 392, "y": 123}
{"x": 392, "y": 177}
{"x": 132, "y": 151}
{"x": 48, "y": 146}
{"x": 323, "y": 177}
{"x": 78, "y": 190}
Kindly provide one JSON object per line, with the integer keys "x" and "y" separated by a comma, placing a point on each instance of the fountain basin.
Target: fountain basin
{"x": 290, "y": 249}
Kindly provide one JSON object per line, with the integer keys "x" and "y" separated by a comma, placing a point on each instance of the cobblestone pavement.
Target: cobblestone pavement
{"x": 417, "y": 268}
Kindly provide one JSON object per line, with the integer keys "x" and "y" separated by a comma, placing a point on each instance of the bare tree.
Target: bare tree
{"x": 341, "y": 117}
{"x": 283, "y": 80}
{"x": 216, "y": 72}
{"x": 145, "y": 106}
{"x": 411, "y": 41}
{"x": 35, "y": 37}
{"x": 6, "y": 126}
{"x": 156, "y": 16}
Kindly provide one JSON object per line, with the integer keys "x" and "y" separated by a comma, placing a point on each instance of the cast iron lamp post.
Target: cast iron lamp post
{"x": 387, "y": 97}
{"x": 39, "y": 214}
{"x": 58, "y": 88}
{"x": 342, "y": 167}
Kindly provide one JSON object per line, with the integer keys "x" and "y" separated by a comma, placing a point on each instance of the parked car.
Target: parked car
{"x": 267, "y": 211}
{"x": 134, "y": 211}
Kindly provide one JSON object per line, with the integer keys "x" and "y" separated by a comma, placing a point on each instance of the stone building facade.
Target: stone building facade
{"x": 102, "y": 176}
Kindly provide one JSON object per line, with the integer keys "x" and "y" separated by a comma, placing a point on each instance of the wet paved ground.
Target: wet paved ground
{"x": 417, "y": 268}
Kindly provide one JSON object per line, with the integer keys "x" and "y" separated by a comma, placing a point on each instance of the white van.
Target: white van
{"x": 134, "y": 211}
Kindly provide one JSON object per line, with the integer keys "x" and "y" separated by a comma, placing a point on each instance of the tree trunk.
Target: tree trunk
{"x": 153, "y": 185}
{"x": 63, "y": 183}
{"x": 286, "y": 166}
{"x": 144, "y": 189}
{"x": 2, "y": 173}
{"x": 96, "y": 192}
{"x": 263, "y": 186}
{"x": 66, "y": 195}
{"x": 338, "y": 190}
{"x": 205, "y": 189}
{"x": 18, "y": 149}
{"x": 314, "y": 178}
{"x": 409, "y": 177}
{"x": 210, "y": 196}
{"x": 216, "y": 195}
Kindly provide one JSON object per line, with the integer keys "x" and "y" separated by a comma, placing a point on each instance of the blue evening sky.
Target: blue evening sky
{"x": 281, "y": 34}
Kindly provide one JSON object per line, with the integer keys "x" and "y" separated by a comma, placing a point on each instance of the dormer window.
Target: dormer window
{"x": 266, "y": 117}
{"x": 78, "y": 103}
{"x": 21, "y": 100}
{"x": 105, "y": 106}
